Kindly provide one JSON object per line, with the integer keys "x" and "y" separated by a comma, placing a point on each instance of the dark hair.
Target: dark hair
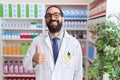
{"x": 55, "y": 7}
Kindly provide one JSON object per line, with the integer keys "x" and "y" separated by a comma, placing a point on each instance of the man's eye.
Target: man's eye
{"x": 56, "y": 15}
{"x": 47, "y": 15}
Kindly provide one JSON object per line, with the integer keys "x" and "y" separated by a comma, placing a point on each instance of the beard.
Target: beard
{"x": 54, "y": 29}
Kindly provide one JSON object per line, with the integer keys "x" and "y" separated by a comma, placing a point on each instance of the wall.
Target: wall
{"x": 113, "y": 7}
{"x": 49, "y": 1}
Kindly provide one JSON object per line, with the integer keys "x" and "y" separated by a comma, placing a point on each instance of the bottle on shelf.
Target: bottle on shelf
{"x": 20, "y": 68}
{"x": 5, "y": 49}
{"x": 23, "y": 48}
{"x": 5, "y": 68}
{"x": 16, "y": 68}
{"x": 11, "y": 64}
{"x": 18, "y": 49}
{"x": 14, "y": 49}
{"x": 9, "y": 49}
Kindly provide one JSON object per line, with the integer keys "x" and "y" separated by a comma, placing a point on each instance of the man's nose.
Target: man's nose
{"x": 52, "y": 17}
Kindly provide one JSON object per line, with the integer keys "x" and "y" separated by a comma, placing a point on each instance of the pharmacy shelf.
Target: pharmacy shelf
{"x": 12, "y": 56}
{"x": 67, "y": 8}
{"x": 75, "y": 18}
{"x": 17, "y": 39}
{"x": 19, "y": 29}
{"x": 97, "y": 15}
{"x": 20, "y": 18}
{"x": 18, "y": 75}
{"x": 75, "y": 29}
{"x": 91, "y": 38}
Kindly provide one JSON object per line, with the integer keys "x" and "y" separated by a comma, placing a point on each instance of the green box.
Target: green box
{"x": 18, "y": 10}
{"x": 35, "y": 10}
{"x": 10, "y": 10}
{"x": 27, "y": 10}
{"x": 1, "y": 10}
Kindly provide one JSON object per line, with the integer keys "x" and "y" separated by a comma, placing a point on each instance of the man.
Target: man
{"x": 55, "y": 60}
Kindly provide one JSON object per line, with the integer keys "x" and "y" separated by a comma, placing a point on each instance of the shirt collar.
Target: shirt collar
{"x": 60, "y": 36}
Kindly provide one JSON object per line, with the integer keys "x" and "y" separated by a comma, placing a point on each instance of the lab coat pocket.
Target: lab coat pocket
{"x": 67, "y": 70}
{"x": 67, "y": 59}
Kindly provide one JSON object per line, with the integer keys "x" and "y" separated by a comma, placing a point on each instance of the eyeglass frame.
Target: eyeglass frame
{"x": 50, "y": 15}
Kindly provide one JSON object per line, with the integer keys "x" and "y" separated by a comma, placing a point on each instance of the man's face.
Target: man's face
{"x": 53, "y": 20}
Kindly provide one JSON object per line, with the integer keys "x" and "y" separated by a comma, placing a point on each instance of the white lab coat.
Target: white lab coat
{"x": 64, "y": 69}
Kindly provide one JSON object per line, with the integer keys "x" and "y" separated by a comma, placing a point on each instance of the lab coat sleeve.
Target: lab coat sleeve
{"x": 78, "y": 73}
{"x": 27, "y": 61}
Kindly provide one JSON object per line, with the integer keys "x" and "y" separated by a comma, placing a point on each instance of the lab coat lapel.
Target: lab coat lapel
{"x": 50, "y": 61}
{"x": 64, "y": 45}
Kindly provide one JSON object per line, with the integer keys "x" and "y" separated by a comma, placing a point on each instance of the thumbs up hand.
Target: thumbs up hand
{"x": 39, "y": 57}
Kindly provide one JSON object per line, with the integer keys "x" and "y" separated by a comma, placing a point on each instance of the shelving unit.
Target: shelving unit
{"x": 97, "y": 15}
{"x": 78, "y": 16}
{"x": 18, "y": 30}
{"x": 16, "y": 40}
{"x": 97, "y": 12}
{"x": 75, "y": 23}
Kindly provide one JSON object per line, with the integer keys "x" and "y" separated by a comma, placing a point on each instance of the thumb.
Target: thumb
{"x": 37, "y": 49}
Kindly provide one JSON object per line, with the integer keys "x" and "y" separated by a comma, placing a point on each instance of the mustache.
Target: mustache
{"x": 53, "y": 21}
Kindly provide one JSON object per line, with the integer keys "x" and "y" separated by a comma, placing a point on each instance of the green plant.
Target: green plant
{"x": 108, "y": 50}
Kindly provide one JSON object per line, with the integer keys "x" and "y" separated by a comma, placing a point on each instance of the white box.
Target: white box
{"x": 5, "y": 10}
{"x": 23, "y": 10}
{"x": 14, "y": 10}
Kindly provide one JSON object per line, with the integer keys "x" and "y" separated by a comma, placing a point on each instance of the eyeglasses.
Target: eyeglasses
{"x": 49, "y": 15}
